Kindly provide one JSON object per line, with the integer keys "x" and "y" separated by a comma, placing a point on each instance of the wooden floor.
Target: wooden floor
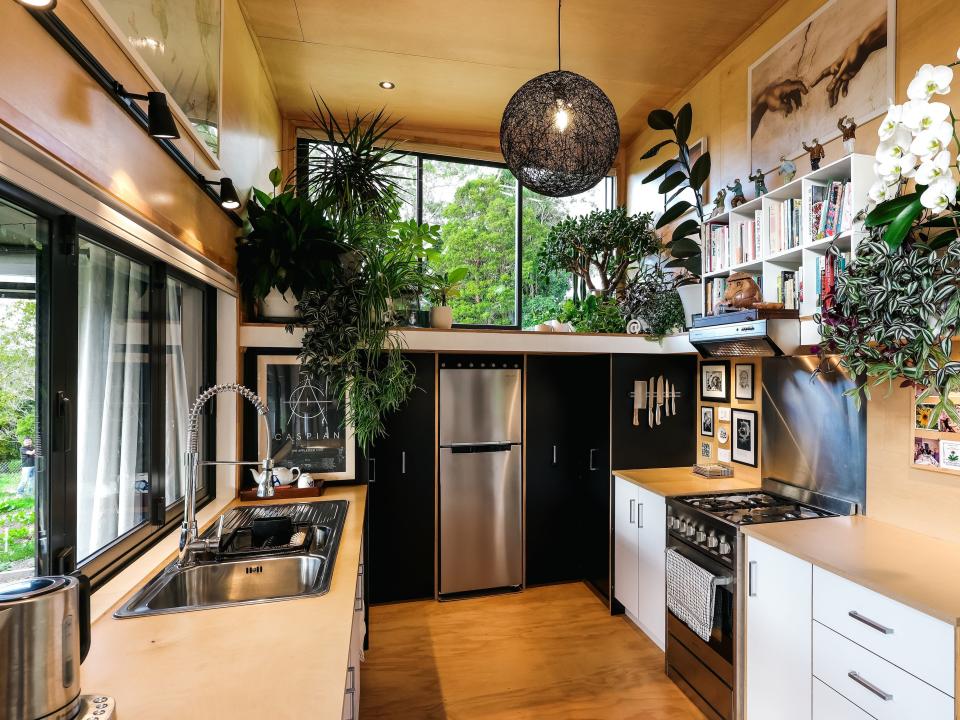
{"x": 549, "y": 652}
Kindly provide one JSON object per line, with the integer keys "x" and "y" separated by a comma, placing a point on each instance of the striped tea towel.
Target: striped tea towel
{"x": 691, "y": 591}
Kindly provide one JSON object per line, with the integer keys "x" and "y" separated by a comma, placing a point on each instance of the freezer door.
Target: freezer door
{"x": 480, "y": 519}
{"x": 479, "y": 405}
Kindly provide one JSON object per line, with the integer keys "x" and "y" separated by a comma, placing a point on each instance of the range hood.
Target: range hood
{"x": 766, "y": 337}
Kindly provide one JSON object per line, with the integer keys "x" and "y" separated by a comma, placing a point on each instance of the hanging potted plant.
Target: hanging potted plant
{"x": 681, "y": 181}
{"x": 442, "y": 287}
{"x": 896, "y": 310}
{"x": 289, "y": 246}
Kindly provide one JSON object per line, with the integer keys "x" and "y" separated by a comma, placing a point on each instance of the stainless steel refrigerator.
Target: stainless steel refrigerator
{"x": 481, "y": 537}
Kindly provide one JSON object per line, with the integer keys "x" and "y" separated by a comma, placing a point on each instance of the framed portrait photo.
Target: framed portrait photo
{"x": 306, "y": 424}
{"x": 744, "y": 441}
{"x": 743, "y": 381}
{"x": 715, "y": 381}
{"x": 706, "y": 420}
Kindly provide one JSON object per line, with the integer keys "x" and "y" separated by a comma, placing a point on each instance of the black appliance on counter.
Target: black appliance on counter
{"x": 814, "y": 464}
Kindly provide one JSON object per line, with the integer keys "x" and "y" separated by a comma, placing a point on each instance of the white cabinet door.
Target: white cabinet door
{"x": 625, "y": 552}
{"x": 778, "y": 619}
{"x": 651, "y": 517}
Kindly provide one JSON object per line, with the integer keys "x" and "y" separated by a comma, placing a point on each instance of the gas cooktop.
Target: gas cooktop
{"x": 753, "y": 507}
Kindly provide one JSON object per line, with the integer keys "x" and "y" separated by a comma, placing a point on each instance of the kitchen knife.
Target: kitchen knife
{"x": 650, "y": 387}
{"x": 639, "y": 399}
{"x": 673, "y": 400}
{"x": 666, "y": 397}
{"x": 659, "y": 396}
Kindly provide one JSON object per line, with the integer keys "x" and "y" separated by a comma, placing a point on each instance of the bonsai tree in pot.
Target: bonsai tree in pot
{"x": 681, "y": 182}
{"x": 289, "y": 246}
{"x": 443, "y": 286}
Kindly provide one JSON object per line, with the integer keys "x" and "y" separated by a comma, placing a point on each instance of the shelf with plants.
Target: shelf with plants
{"x": 782, "y": 237}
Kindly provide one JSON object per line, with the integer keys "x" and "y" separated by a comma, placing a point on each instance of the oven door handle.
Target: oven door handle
{"x": 752, "y": 578}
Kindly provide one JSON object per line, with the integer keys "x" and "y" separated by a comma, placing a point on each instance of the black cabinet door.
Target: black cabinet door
{"x": 401, "y": 496}
{"x": 567, "y": 420}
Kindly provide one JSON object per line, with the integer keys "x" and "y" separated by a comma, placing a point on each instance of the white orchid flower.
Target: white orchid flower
{"x": 920, "y": 115}
{"x": 896, "y": 146}
{"x": 941, "y": 194}
{"x": 934, "y": 168}
{"x": 891, "y": 171}
{"x": 931, "y": 141}
{"x": 881, "y": 191}
{"x": 891, "y": 122}
{"x": 930, "y": 80}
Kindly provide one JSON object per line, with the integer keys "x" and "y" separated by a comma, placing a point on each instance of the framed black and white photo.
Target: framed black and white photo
{"x": 715, "y": 381}
{"x": 706, "y": 420}
{"x": 744, "y": 445}
{"x": 305, "y": 420}
{"x": 743, "y": 381}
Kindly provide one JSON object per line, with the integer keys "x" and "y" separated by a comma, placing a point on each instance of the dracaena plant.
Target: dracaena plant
{"x": 677, "y": 176}
{"x": 895, "y": 312}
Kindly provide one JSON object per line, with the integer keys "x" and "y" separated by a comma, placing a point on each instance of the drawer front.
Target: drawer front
{"x": 831, "y": 705}
{"x": 918, "y": 643}
{"x": 883, "y": 690}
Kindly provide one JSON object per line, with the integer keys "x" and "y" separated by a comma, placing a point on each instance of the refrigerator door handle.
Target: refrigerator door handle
{"x": 481, "y": 447}
{"x": 403, "y": 462}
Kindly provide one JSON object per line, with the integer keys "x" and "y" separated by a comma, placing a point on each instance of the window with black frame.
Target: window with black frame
{"x": 486, "y": 227}
{"x": 102, "y": 349}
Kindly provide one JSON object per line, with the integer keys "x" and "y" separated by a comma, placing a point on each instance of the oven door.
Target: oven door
{"x": 705, "y": 670}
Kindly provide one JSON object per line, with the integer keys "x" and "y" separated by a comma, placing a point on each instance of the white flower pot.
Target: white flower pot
{"x": 692, "y": 298}
{"x": 278, "y": 305}
{"x": 441, "y": 316}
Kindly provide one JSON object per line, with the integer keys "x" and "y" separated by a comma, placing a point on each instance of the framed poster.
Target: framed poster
{"x": 715, "y": 381}
{"x": 744, "y": 446}
{"x": 706, "y": 420}
{"x": 838, "y": 63}
{"x": 743, "y": 381}
{"x": 305, "y": 421}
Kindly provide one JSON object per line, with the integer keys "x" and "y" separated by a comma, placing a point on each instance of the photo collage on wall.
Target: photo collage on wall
{"x": 936, "y": 436}
{"x": 729, "y": 421}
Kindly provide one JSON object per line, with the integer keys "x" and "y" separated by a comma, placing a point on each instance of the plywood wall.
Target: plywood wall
{"x": 47, "y": 99}
{"x": 744, "y": 472}
{"x": 927, "y": 31}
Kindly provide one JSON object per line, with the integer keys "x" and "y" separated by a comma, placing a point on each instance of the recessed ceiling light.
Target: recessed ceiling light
{"x": 387, "y": 85}
{"x": 39, "y": 4}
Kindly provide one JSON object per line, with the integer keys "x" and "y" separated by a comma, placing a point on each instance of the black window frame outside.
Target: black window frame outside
{"x": 57, "y": 365}
{"x": 302, "y": 157}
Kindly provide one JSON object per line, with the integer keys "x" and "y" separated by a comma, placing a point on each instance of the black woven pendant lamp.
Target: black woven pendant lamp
{"x": 559, "y": 134}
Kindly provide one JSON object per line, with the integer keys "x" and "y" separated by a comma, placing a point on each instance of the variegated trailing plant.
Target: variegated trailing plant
{"x": 678, "y": 175}
{"x": 895, "y": 313}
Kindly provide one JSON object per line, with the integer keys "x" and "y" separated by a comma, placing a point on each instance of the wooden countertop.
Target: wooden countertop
{"x": 682, "y": 481}
{"x": 914, "y": 569}
{"x": 274, "y": 660}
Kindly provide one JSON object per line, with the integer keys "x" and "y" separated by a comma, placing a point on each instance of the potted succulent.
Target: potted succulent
{"x": 289, "y": 247}
{"x": 442, "y": 287}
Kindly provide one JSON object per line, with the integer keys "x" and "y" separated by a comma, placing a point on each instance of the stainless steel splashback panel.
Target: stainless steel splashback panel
{"x": 479, "y": 405}
{"x": 813, "y": 437}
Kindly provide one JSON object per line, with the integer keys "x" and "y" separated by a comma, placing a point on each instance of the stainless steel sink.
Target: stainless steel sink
{"x": 265, "y": 578}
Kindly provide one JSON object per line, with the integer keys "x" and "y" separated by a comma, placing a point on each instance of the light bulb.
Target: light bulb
{"x": 561, "y": 120}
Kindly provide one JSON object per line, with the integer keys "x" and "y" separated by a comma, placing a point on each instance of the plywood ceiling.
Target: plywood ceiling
{"x": 457, "y": 63}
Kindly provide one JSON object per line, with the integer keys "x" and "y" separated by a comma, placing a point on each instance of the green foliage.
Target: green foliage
{"x": 17, "y": 514}
{"x": 895, "y": 218}
{"x": 594, "y": 315}
{"x": 17, "y": 375}
{"x": 678, "y": 176}
{"x": 290, "y": 244}
{"x": 894, "y": 315}
{"x": 600, "y": 248}
{"x": 446, "y": 285}
{"x": 656, "y": 303}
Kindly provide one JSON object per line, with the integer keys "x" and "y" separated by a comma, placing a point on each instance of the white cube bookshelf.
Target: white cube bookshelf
{"x": 769, "y": 262}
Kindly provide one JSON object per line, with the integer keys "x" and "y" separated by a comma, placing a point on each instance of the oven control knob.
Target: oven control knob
{"x": 691, "y": 530}
{"x": 679, "y": 524}
{"x": 725, "y": 547}
{"x": 701, "y": 536}
{"x": 712, "y": 541}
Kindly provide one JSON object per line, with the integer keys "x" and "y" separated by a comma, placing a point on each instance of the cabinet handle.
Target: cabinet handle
{"x": 403, "y": 462}
{"x": 632, "y": 502}
{"x": 855, "y": 676}
{"x": 371, "y": 471}
{"x": 554, "y": 454}
{"x": 640, "y": 514}
{"x": 591, "y": 463}
{"x": 870, "y": 623}
{"x": 752, "y": 578}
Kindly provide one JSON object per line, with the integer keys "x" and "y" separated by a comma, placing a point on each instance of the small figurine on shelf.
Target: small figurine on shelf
{"x": 787, "y": 169}
{"x": 737, "y": 190}
{"x": 719, "y": 203}
{"x": 816, "y": 153}
{"x": 742, "y": 291}
{"x": 759, "y": 182}
{"x": 848, "y": 127}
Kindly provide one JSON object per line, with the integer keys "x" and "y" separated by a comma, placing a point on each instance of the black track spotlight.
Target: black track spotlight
{"x": 228, "y": 193}
{"x": 39, "y": 4}
{"x": 160, "y": 122}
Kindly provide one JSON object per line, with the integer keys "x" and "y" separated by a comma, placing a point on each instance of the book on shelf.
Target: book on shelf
{"x": 783, "y": 225}
{"x": 827, "y": 269}
{"x": 717, "y": 243}
{"x": 831, "y": 209}
{"x": 788, "y": 289}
